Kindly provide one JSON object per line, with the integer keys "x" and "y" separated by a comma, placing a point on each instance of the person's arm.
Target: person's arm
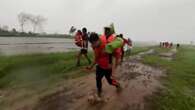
{"x": 91, "y": 66}
{"x": 114, "y": 66}
{"x": 94, "y": 62}
{"x": 127, "y": 42}
{"x": 116, "y": 61}
{"x": 130, "y": 43}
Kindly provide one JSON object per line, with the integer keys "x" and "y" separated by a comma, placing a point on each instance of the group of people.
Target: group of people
{"x": 166, "y": 44}
{"x": 81, "y": 40}
{"x": 105, "y": 63}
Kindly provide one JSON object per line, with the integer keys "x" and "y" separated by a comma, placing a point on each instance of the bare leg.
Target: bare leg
{"x": 86, "y": 56}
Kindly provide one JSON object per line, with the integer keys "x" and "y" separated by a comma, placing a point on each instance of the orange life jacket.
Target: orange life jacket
{"x": 78, "y": 40}
{"x": 102, "y": 58}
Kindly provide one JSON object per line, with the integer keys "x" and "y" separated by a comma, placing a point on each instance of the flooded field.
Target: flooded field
{"x": 28, "y": 45}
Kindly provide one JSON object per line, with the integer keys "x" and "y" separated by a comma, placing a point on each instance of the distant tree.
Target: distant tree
{"x": 23, "y": 18}
{"x": 14, "y": 30}
{"x": 37, "y": 22}
{"x": 30, "y": 33}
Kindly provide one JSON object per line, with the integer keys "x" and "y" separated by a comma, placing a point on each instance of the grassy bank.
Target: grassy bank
{"x": 22, "y": 69}
{"x": 180, "y": 91}
{"x": 25, "y": 78}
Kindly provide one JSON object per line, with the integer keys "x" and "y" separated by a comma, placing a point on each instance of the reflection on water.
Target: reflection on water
{"x": 26, "y": 45}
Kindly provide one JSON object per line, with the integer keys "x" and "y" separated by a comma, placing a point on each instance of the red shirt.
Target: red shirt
{"x": 101, "y": 57}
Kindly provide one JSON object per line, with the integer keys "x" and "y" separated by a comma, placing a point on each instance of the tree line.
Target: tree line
{"x": 36, "y": 21}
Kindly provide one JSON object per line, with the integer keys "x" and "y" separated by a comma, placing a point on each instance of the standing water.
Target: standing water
{"x": 29, "y": 45}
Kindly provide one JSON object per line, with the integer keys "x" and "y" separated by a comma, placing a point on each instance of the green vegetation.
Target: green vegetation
{"x": 180, "y": 81}
{"x": 137, "y": 50}
{"x": 29, "y": 75}
{"x": 19, "y": 70}
{"x": 162, "y": 50}
{"x": 23, "y": 69}
{"x": 14, "y": 33}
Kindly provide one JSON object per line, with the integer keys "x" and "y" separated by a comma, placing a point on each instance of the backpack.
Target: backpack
{"x": 78, "y": 40}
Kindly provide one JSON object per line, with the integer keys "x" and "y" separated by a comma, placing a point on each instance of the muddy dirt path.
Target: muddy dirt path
{"x": 139, "y": 81}
{"x": 169, "y": 55}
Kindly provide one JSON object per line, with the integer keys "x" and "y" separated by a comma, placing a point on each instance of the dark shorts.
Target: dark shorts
{"x": 83, "y": 51}
{"x": 100, "y": 73}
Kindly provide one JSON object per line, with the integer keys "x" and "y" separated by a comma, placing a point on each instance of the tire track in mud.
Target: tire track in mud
{"x": 138, "y": 80}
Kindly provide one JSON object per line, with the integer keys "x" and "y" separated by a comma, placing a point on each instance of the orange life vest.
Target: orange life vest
{"x": 78, "y": 39}
{"x": 102, "y": 58}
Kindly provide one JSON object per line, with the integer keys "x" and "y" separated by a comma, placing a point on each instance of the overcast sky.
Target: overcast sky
{"x": 145, "y": 20}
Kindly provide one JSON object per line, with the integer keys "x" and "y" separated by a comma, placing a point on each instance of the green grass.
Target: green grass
{"x": 180, "y": 82}
{"x": 29, "y": 75}
{"x": 22, "y": 69}
{"x": 137, "y": 50}
{"x": 162, "y": 50}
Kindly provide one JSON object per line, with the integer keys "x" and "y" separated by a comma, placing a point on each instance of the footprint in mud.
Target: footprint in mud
{"x": 93, "y": 99}
{"x": 145, "y": 83}
{"x": 60, "y": 100}
{"x": 133, "y": 70}
{"x": 129, "y": 76}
